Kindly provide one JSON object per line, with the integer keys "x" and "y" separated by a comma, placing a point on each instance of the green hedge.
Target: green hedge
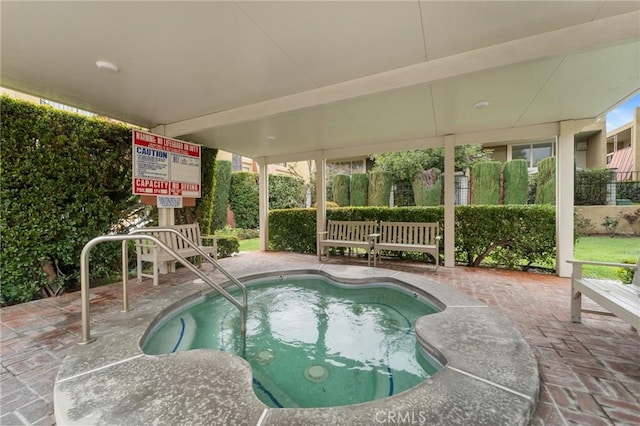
{"x": 244, "y": 198}
{"x": 591, "y": 187}
{"x": 516, "y": 182}
{"x": 629, "y": 190}
{"x": 515, "y": 236}
{"x": 227, "y": 245}
{"x": 341, "y": 185}
{"x": 427, "y": 188}
{"x": 359, "y": 189}
{"x": 221, "y": 202}
{"x": 546, "y": 181}
{"x": 485, "y": 183}
{"x": 286, "y": 192}
{"x": 379, "y": 188}
{"x": 65, "y": 180}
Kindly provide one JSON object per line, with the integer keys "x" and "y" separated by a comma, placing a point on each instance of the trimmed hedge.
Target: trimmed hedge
{"x": 286, "y": 192}
{"x": 227, "y": 245}
{"x": 427, "y": 188}
{"x": 359, "y": 191}
{"x": 591, "y": 187}
{"x": 485, "y": 183}
{"x": 340, "y": 185}
{"x": 244, "y": 198}
{"x": 546, "y": 181}
{"x": 379, "y": 188}
{"x": 65, "y": 180}
{"x": 629, "y": 189}
{"x": 516, "y": 182}
{"x": 515, "y": 236}
{"x": 221, "y": 202}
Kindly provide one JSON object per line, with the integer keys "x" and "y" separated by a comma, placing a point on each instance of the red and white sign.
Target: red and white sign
{"x": 165, "y": 166}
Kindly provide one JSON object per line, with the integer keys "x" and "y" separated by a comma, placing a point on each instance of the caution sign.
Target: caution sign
{"x": 165, "y": 166}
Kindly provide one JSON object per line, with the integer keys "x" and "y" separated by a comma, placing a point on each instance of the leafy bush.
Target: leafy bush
{"x": 379, "y": 188}
{"x": 516, "y": 182}
{"x": 591, "y": 187}
{"x": 359, "y": 191}
{"x": 223, "y": 182}
{"x": 546, "y": 181}
{"x": 485, "y": 183}
{"x": 65, "y": 180}
{"x": 293, "y": 230}
{"x": 286, "y": 192}
{"x": 629, "y": 190}
{"x": 508, "y": 233}
{"x": 244, "y": 199}
{"x": 626, "y": 274}
{"x": 227, "y": 245}
{"x": 340, "y": 185}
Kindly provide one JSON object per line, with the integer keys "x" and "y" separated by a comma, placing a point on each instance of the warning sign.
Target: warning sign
{"x": 165, "y": 166}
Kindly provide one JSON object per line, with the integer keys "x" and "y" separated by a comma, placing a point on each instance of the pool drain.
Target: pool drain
{"x": 316, "y": 373}
{"x": 264, "y": 357}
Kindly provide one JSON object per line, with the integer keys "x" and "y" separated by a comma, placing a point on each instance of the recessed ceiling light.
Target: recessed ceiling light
{"x": 270, "y": 138}
{"x": 481, "y": 104}
{"x": 107, "y": 66}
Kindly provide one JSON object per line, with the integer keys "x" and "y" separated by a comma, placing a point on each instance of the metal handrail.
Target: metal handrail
{"x": 84, "y": 279}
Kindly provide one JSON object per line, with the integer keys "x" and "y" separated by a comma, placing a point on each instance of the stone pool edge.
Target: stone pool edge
{"x": 491, "y": 376}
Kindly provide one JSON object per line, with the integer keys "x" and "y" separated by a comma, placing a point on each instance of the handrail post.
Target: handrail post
{"x": 84, "y": 293}
{"x": 125, "y": 276}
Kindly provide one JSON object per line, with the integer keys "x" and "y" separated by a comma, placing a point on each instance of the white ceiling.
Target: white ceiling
{"x": 325, "y": 75}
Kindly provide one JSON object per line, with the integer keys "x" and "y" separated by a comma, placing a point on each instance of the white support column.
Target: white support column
{"x": 321, "y": 192}
{"x": 564, "y": 196}
{"x": 449, "y": 200}
{"x": 263, "y": 180}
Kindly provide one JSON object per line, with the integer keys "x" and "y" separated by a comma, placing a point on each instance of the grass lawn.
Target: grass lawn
{"x": 252, "y": 244}
{"x": 606, "y": 249}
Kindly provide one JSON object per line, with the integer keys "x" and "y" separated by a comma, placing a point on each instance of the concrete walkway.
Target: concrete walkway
{"x": 590, "y": 372}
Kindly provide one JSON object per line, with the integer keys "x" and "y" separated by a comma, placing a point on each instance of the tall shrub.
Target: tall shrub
{"x": 485, "y": 183}
{"x": 516, "y": 182}
{"x": 427, "y": 188}
{"x": 65, "y": 179}
{"x": 341, "y": 185}
{"x": 546, "y": 191}
{"x": 244, "y": 199}
{"x": 591, "y": 187}
{"x": 221, "y": 202}
{"x": 379, "y": 188}
{"x": 359, "y": 191}
{"x": 204, "y": 208}
{"x": 286, "y": 192}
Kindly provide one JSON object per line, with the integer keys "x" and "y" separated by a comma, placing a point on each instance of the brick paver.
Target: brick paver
{"x": 590, "y": 372}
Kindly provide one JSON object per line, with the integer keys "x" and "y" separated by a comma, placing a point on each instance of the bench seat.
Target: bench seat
{"x": 347, "y": 234}
{"x": 621, "y": 300}
{"x": 147, "y": 251}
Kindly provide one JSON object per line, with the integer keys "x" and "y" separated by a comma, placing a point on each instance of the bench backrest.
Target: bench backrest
{"x": 409, "y": 233}
{"x": 190, "y": 231}
{"x": 348, "y": 230}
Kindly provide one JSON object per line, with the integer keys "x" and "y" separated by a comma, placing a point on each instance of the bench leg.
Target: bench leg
{"x": 576, "y": 306}
{"x": 139, "y": 268}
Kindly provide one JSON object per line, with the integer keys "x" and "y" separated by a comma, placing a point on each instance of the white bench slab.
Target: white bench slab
{"x": 621, "y": 300}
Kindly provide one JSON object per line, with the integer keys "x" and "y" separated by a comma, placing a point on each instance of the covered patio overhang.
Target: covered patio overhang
{"x": 287, "y": 81}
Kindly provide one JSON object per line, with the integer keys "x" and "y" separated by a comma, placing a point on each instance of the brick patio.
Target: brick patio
{"x": 590, "y": 372}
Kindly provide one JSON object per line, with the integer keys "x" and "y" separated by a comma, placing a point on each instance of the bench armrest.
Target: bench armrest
{"x": 322, "y": 233}
{"x": 612, "y": 264}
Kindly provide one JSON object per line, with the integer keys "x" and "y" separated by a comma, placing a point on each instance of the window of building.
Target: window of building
{"x": 533, "y": 152}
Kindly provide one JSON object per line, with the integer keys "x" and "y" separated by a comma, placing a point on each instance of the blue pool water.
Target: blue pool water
{"x": 311, "y": 343}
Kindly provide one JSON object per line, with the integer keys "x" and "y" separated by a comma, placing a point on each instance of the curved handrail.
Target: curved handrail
{"x": 202, "y": 253}
{"x": 84, "y": 280}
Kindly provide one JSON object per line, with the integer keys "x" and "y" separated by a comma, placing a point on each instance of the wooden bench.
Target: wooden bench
{"x": 347, "y": 234}
{"x": 408, "y": 236}
{"x": 621, "y": 300}
{"x": 147, "y": 251}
